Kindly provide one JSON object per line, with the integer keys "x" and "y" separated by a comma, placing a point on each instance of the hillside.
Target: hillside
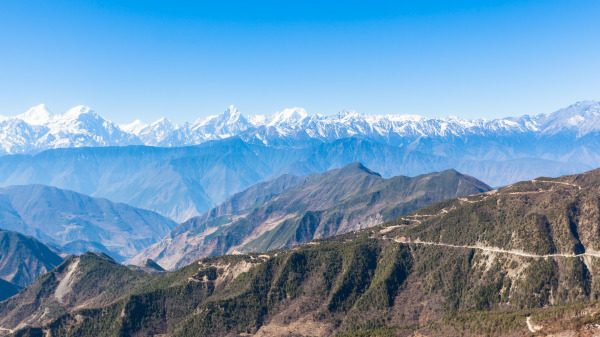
{"x": 23, "y": 259}
{"x": 544, "y": 216}
{"x": 331, "y": 203}
{"x": 76, "y": 223}
{"x": 504, "y": 262}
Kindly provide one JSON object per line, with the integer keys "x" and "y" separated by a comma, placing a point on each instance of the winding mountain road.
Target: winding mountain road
{"x": 555, "y": 182}
{"x": 491, "y": 249}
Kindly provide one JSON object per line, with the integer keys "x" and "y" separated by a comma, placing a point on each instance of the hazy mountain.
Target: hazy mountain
{"x": 331, "y": 203}
{"x": 242, "y": 202}
{"x": 512, "y": 261}
{"x": 77, "y": 223}
{"x": 23, "y": 259}
{"x": 184, "y": 182}
{"x": 176, "y": 182}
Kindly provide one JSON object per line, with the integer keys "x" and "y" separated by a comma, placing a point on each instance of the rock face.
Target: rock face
{"x": 512, "y": 261}
{"x": 23, "y": 259}
{"x": 76, "y": 223}
{"x": 331, "y": 203}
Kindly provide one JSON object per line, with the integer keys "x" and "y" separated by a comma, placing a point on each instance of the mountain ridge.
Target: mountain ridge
{"x": 320, "y": 205}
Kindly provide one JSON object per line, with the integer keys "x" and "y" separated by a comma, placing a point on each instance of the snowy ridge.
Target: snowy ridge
{"x": 38, "y": 129}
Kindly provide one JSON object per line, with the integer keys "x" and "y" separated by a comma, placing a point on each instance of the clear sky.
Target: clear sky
{"x": 183, "y": 60}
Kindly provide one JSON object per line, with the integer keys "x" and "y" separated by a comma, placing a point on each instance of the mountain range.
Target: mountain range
{"x": 198, "y": 165}
{"x": 76, "y": 223}
{"x": 290, "y": 210}
{"x": 38, "y": 129}
{"x": 514, "y": 261}
{"x": 183, "y": 182}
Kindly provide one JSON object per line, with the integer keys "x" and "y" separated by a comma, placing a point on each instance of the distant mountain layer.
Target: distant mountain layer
{"x": 331, "y": 203}
{"x": 521, "y": 260}
{"x": 23, "y": 259}
{"x": 77, "y": 223}
{"x": 184, "y": 182}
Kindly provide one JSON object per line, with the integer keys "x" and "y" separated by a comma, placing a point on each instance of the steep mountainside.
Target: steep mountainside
{"x": 511, "y": 262}
{"x": 91, "y": 279}
{"x": 242, "y": 202}
{"x": 330, "y": 203}
{"x": 23, "y": 259}
{"x": 77, "y": 223}
{"x": 544, "y": 216}
{"x": 8, "y": 289}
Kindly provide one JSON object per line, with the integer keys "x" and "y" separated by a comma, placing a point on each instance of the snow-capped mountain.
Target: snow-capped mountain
{"x": 38, "y": 129}
{"x": 292, "y": 125}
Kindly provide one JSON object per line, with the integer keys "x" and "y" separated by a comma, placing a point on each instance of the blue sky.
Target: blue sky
{"x": 183, "y": 60}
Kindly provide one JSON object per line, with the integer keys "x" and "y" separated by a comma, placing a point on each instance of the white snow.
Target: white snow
{"x": 37, "y": 115}
{"x": 134, "y": 127}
